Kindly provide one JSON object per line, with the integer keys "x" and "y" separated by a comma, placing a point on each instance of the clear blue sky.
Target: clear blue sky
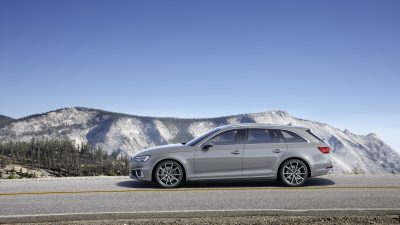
{"x": 331, "y": 61}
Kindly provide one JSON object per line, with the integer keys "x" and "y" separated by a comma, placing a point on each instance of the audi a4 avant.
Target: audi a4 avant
{"x": 288, "y": 153}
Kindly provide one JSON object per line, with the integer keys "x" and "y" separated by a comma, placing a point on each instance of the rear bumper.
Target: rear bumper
{"x": 322, "y": 167}
{"x": 322, "y": 171}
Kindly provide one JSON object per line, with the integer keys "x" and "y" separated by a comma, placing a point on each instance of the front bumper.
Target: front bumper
{"x": 140, "y": 171}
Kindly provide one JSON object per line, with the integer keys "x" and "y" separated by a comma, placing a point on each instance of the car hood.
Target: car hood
{"x": 164, "y": 149}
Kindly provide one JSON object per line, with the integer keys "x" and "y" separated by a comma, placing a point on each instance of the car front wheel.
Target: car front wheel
{"x": 293, "y": 173}
{"x": 168, "y": 174}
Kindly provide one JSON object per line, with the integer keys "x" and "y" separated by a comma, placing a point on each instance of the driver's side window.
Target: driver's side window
{"x": 225, "y": 138}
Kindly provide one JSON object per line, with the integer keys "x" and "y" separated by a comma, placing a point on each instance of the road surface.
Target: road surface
{"x": 122, "y": 195}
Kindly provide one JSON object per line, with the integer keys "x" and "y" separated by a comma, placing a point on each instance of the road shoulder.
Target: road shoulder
{"x": 212, "y": 216}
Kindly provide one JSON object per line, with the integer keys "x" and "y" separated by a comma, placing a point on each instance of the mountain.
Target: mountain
{"x": 122, "y": 133}
{"x": 5, "y": 120}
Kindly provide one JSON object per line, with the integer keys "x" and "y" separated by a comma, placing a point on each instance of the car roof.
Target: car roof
{"x": 261, "y": 125}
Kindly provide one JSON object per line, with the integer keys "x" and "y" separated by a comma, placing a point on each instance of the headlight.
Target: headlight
{"x": 141, "y": 158}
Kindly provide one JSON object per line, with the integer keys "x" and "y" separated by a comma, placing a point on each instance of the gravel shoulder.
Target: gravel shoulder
{"x": 299, "y": 220}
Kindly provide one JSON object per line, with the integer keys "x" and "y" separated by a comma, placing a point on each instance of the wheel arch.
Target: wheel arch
{"x": 290, "y": 158}
{"x": 168, "y": 159}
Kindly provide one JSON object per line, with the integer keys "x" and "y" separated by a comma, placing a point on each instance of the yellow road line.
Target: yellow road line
{"x": 198, "y": 189}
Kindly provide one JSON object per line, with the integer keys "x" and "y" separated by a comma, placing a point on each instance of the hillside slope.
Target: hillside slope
{"x": 121, "y": 133}
{"x": 5, "y": 120}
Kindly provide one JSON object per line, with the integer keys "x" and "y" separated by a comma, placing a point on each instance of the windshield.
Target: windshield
{"x": 201, "y": 137}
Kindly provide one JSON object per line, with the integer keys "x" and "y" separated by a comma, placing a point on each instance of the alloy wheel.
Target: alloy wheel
{"x": 294, "y": 173}
{"x": 169, "y": 174}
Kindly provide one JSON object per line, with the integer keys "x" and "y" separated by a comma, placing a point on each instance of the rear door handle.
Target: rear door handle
{"x": 276, "y": 150}
{"x": 235, "y": 152}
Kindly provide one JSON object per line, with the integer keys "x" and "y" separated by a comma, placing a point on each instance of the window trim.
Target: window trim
{"x": 247, "y": 130}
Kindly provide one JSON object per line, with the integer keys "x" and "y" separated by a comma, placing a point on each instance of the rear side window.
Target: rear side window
{"x": 258, "y": 136}
{"x": 291, "y": 137}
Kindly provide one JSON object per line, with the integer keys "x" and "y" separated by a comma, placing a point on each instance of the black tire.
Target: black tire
{"x": 293, "y": 173}
{"x": 168, "y": 174}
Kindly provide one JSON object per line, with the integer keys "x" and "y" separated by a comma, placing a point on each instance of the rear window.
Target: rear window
{"x": 291, "y": 137}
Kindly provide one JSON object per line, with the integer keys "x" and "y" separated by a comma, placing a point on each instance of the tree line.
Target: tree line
{"x": 64, "y": 158}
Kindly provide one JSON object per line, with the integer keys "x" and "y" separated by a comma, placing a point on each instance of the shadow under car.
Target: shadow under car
{"x": 313, "y": 181}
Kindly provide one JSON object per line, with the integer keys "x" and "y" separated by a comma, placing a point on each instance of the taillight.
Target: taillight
{"x": 324, "y": 150}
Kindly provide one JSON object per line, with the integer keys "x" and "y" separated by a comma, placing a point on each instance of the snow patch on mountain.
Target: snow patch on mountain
{"x": 233, "y": 120}
{"x": 272, "y": 117}
{"x": 128, "y": 135}
{"x": 198, "y": 128}
{"x": 51, "y": 125}
{"x": 167, "y": 132}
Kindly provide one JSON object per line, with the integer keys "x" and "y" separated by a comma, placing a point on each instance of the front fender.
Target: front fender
{"x": 184, "y": 159}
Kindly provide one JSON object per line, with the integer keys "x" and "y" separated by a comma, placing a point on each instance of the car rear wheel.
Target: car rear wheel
{"x": 293, "y": 173}
{"x": 168, "y": 174}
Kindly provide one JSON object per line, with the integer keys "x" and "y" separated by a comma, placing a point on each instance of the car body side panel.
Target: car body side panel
{"x": 219, "y": 161}
{"x": 260, "y": 159}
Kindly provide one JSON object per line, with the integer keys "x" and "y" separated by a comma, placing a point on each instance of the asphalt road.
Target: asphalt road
{"x": 99, "y": 195}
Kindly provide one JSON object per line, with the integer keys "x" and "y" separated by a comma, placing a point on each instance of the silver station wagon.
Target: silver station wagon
{"x": 290, "y": 154}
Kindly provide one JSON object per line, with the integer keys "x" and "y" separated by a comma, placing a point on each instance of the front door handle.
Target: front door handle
{"x": 235, "y": 152}
{"x": 276, "y": 150}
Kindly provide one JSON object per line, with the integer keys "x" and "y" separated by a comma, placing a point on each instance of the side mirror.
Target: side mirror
{"x": 206, "y": 146}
